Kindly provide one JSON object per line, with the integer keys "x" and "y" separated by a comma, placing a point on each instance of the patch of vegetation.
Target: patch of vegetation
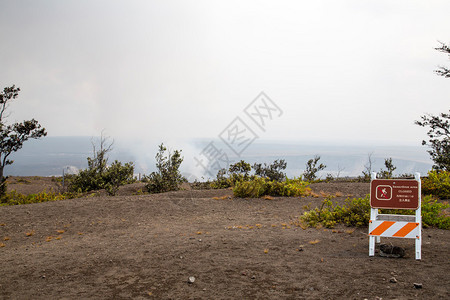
{"x": 434, "y": 213}
{"x": 168, "y": 176}
{"x": 3, "y": 188}
{"x": 99, "y": 175}
{"x": 222, "y": 181}
{"x": 273, "y": 171}
{"x": 240, "y": 172}
{"x": 251, "y": 189}
{"x": 356, "y": 212}
{"x": 237, "y": 172}
{"x": 259, "y": 187}
{"x": 13, "y": 136}
{"x": 199, "y": 185}
{"x": 437, "y": 183}
{"x": 390, "y": 168}
{"x": 22, "y": 180}
{"x": 15, "y": 198}
{"x": 439, "y": 138}
{"x": 57, "y": 179}
{"x": 312, "y": 168}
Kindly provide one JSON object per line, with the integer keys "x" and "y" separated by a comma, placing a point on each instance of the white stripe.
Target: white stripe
{"x": 394, "y": 229}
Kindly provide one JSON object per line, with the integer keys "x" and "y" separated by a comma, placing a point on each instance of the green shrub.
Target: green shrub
{"x": 168, "y": 176}
{"x": 251, "y": 189}
{"x": 356, "y": 212}
{"x": 15, "y": 198}
{"x": 222, "y": 181}
{"x": 240, "y": 171}
{"x": 390, "y": 168}
{"x": 99, "y": 176}
{"x": 199, "y": 185}
{"x": 108, "y": 178}
{"x": 258, "y": 187}
{"x": 237, "y": 172}
{"x": 3, "y": 187}
{"x": 274, "y": 171}
{"x": 312, "y": 168}
{"x": 289, "y": 188}
{"x": 117, "y": 175}
{"x": 437, "y": 183}
{"x": 435, "y": 214}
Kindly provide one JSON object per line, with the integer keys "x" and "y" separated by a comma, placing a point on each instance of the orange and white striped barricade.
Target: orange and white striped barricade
{"x": 395, "y": 194}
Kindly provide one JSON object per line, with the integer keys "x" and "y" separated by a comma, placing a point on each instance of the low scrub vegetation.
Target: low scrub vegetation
{"x": 437, "y": 183}
{"x": 273, "y": 171}
{"x": 99, "y": 175}
{"x": 259, "y": 187}
{"x": 168, "y": 176}
{"x": 240, "y": 172}
{"x": 356, "y": 212}
{"x": 237, "y": 172}
{"x": 15, "y": 198}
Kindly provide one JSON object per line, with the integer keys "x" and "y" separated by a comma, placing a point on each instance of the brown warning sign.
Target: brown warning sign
{"x": 394, "y": 193}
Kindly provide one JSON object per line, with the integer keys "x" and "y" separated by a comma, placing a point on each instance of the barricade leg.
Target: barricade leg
{"x": 419, "y": 220}
{"x": 371, "y": 245}
{"x": 418, "y": 248}
{"x": 373, "y": 239}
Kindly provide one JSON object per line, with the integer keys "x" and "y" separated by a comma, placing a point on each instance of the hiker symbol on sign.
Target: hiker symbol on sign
{"x": 384, "y": 192}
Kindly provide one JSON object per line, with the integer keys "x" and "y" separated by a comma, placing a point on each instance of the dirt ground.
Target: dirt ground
{"x": 152, "y": 246}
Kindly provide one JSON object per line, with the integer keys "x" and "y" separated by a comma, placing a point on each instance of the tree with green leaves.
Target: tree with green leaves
{"x": 443, "y": 71}
{"x": 439, "y": 127}
{"x": 312, "y": 167}
{"x": 240, "y": 171}
{"x": 439, "y": 139}
{"x": 273, "y": 171}
{"x": 14, "y": 135}
{"x": 390, "y": 168}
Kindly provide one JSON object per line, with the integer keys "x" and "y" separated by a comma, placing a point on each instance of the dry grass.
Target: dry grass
{"x": 29, "y": 233}
{"x": 324, "y": 194}
{"x": 223, "y": 197}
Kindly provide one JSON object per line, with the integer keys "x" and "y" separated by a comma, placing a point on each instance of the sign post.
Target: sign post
{"x": 395, "y": 194}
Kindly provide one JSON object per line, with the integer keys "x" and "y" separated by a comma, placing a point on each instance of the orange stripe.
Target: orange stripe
{"x": 382, "y": 228}
{"x": 406, "y": 229}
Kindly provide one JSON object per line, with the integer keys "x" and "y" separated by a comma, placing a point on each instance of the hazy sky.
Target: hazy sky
{"x": 165, "y": 70}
